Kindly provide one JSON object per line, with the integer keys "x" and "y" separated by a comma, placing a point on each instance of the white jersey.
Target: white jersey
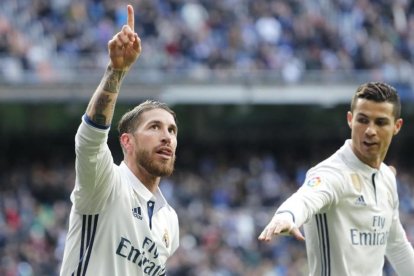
{"x": 350, "y": 211}
{"x": 117, "y": 227}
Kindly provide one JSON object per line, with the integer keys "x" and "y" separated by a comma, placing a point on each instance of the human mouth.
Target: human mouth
{"x": 165, "y": 152}
{"x": 369, "y": 144}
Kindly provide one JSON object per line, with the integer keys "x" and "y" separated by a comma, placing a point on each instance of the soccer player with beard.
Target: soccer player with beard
{"x": 120, "y": 223}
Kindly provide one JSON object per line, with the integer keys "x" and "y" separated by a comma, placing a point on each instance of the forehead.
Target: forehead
{"x": 158, "y": 114}
{"x": 374, "y": 109}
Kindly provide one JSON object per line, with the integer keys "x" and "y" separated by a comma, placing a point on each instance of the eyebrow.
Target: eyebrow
{"x": 366, "y": 116}
{"x": 160, "y": 123}
{"x": 359, "y": 114}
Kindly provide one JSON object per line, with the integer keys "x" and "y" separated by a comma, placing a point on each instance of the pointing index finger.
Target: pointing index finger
{"x": 131, "y": 17}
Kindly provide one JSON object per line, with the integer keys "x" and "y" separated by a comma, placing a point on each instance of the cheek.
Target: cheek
{"x": 389, "y": 137}
{"x": 357, "y": 130}
{"x": 145, "y": 140}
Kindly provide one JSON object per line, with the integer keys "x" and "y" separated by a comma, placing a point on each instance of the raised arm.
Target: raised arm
{"x": 124, "y": 49}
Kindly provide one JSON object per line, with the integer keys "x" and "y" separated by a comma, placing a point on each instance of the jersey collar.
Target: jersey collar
{"x": 352, "y": 160}
{"x": 142, "y": 191}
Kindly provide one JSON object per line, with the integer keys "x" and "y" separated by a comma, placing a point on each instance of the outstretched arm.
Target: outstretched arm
{"x": 322, "y": 188}
{"x": 124, "y": 49}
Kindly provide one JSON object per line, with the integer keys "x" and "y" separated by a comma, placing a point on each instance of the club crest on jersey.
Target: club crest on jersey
{"x": 166, "y": 238}
{"x": 136, "y": 212}
{"x": 314, "y": 182}
{"x": 356, "y": 182}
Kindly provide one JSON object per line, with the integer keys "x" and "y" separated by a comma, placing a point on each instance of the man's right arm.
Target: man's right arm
{"x": 124, "y": 49}
{"x": 94, "y": 162}
{"x": 319, "y": 190}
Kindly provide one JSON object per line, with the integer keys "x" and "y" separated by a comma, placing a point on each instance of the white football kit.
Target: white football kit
{"x": 117, "y": 227}
{"x": 351, "y": 217}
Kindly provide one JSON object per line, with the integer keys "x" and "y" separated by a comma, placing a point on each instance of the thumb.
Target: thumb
{"x": 297, "y": 234}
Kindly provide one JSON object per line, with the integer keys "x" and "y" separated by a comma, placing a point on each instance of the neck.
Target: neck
{"x": 150, "y": 181}
{"x": 374, "y": 162}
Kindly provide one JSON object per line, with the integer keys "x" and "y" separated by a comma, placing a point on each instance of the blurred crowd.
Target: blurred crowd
{"x": 51, "y": 37}
{"x": 223, "y": 203}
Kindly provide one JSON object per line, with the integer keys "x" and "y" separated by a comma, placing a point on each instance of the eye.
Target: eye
{"x": 172, "y": 130}
{"x": 382, "y": 122}
{"x": 154, "y": 126}
{"x": 362, "y": 120}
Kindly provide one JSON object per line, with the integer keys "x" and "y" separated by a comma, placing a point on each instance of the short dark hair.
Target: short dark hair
{"x": 378, "y": 92}
{"x": 130, "y": 120}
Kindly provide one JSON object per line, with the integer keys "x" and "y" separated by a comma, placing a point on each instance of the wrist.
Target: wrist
{"x": 286, "y": 215}
{"x": 112, "y": 67}
{"x": 113, "y": 79}
{"x": 287, "y": 219}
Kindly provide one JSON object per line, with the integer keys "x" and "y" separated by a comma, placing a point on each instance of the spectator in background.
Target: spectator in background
{"x": 349, "y": 203}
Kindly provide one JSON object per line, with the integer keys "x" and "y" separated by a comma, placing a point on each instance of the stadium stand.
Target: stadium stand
{"x": 225, "y": 199}
{"x": 48, "y": 37}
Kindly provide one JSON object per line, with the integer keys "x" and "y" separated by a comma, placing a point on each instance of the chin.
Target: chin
{"x": 165, "y": 170}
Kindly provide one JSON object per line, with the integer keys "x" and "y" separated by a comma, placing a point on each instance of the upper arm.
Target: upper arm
{"x": 399, "y": 250}
{"x": 320, "y": 190}
{"x": 323, "y": 187}
{"x": 94, "y": 170}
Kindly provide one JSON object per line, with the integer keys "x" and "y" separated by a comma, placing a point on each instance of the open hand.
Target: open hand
{"x": 279, "y": 225}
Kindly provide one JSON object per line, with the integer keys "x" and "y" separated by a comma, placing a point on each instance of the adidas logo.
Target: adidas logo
{"x": 136, "y": 212}
{"x": 360, "y": 201}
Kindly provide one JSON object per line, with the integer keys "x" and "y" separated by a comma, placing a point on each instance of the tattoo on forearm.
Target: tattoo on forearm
{"x": 113, "y": 79}
{"x": 99, "y": 119}
{"x": 101, "y": 106}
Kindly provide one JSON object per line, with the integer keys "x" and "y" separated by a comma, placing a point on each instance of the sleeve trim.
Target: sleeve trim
{"x": 289, "y": 212}
{"x": 92, "y": 123}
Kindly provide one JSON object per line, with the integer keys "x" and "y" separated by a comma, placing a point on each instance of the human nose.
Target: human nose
{"x": 371, "y": 130}
{"x": 166, "y": 136}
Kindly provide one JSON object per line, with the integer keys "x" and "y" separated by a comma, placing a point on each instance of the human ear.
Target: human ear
{"x": 349, "y": 117}
{"x": 125, "y": 140}
{"x": 398, "y": 125}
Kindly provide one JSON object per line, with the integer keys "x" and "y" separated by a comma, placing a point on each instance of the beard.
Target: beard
{"x": 154, "y": 167}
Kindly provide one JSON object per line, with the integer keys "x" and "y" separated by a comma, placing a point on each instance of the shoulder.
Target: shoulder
{"x": 389, "y": 176}
{"x": 332, "y": 168}
{"x": 330, "y": 174}
{"x": 172, "y": 213}
{"x": 389, "y": 172}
